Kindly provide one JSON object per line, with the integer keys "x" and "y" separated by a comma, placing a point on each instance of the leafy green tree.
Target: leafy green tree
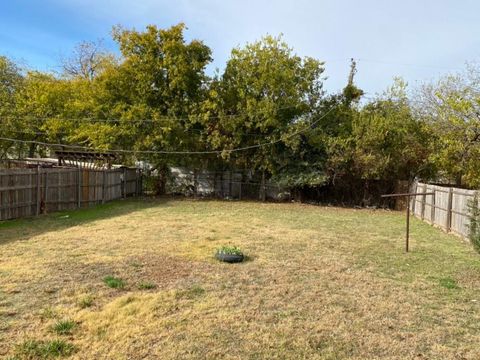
{"x": 264, "y": 94}
{"x": 451, "y": 108}
{"x": 390, "y": 143}
{"x": 11, "y": 80}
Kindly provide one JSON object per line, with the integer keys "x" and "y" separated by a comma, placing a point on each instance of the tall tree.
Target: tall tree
{"x": 264, "y": 92}
{"x": 11, "y": 80}
{"x": 451, "y": 107}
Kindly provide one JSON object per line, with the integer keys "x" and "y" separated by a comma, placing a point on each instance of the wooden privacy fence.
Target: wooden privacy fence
{"x": 30, "y": 192}
{"x": 447, "y": 208}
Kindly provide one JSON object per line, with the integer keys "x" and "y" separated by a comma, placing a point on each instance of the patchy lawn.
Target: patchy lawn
{"x": 137, "y": 280}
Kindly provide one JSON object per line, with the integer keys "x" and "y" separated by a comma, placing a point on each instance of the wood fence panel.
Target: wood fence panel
{"x": 441, "y": 206}
{"x": 28, "y": 192}
{"x": 460, "y": 217}
{"x": 447, "y": 209}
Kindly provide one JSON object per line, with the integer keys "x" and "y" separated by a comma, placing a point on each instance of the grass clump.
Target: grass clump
{"x": 48, "y": 313}
{"x": 448, "y": 283}
{"x": 36, "y": 349}
{"x": 113, "y": 282}
{"x": 229, "y": 250}
{"x": 145, "y": 285}
{"x": 85, "y": 302}
{"x": 64, "y": 327}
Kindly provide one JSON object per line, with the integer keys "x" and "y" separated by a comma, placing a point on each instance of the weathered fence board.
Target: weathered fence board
{"x": 30, "y": 192}
{"x": 447, "y": 208}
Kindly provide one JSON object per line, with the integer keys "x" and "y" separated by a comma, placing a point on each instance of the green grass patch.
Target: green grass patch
{"x": 448, "y": 283}
{"x": 114, "y": 282}
{"x": 85, "y": 302}
{"x": 145, "y": 285}
{"x": 37, "y": 349}
{"x": 64, "y": 327}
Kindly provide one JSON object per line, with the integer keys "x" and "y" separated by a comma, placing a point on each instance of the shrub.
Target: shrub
{"x": 229, "y": 250}
{"x": 113, "y": 282}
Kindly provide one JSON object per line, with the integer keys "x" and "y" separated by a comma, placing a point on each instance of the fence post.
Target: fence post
{"x": 432, "y": 213}
{"x": 424, "y": 200}
{"x": 412, "y": 205}
{"x": 38, "y": 191}
{"x": 46, "y": 192}
{"x": 124, "y": 182}
{"x": 448, "y": 224}
{"x": 79, "y": 188}
{"x": 104, "y": 176}
{"x": 263, "y": 194}
{"x": 140, "y": 180}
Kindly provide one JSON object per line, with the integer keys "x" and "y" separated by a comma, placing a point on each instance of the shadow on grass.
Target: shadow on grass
{"x": 20, "y": 229}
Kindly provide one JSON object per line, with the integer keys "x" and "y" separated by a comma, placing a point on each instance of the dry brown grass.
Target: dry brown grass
{"x": 321, "y": 283}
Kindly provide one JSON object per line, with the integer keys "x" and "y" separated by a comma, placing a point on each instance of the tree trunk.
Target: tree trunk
{"x": 195, "y": 183}
{"x": 31, "y": 150}
{"x": 263, "y": 194}
{"x": 161, "y": 183}
{"x": 458, "y": 180}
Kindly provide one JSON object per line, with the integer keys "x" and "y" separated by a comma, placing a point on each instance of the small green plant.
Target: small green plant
{"x": 448, "y": 283}
{"x": 229, "y": 250}
{"x": 474, "y": 212}
{"x": 36, "y": 349}
{"x": 85, "y": 302}
{"x": 64, "y": 327}
{"x": 113, "y": 282}
{"x": 145, "y": 285}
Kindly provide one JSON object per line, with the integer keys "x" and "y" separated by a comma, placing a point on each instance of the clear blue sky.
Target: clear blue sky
{"x": 416, "y": 39}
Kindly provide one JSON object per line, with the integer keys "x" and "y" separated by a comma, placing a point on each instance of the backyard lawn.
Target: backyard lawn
{"x": 137, "y": 280}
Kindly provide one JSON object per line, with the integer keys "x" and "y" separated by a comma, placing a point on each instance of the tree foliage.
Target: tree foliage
{"x": 267, "y": 101}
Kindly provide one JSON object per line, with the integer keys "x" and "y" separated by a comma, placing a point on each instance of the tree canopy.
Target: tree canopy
{"x": 266, "y": 112}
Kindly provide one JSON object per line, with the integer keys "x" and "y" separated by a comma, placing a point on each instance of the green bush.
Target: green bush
{"x": 229, "y": 250}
